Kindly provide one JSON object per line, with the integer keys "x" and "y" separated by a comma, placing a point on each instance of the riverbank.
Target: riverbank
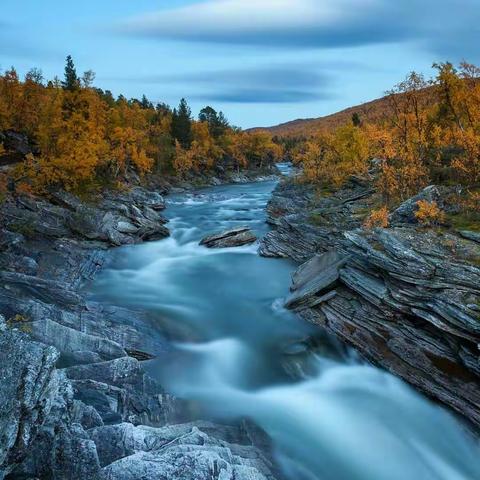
{"x": 405, "y": 297}
{"x": 75, "y": 400}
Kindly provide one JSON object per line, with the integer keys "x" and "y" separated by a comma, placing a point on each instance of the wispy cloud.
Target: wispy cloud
{"x": 257, "y": 95}
{"x": 287, "y": 83}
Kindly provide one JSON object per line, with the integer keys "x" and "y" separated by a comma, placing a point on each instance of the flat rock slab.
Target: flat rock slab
{"x": 313, "y": 278}
{"x": 235, "y": 237}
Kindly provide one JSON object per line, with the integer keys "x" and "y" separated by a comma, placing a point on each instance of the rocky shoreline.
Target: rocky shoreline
{"x": 75, "y": 401}
{"x": 406, "y": 298}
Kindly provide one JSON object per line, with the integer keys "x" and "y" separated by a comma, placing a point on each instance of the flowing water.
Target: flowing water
{"x": 235, "y": 352}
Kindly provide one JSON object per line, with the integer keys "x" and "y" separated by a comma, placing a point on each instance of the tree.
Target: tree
{"x": 71, "y": 81}
{"x": 88, "y": 78}
{"x": 182, "y": 124}
{"x": 146, "y": 103}
{"x": 34, "y": 75}
{"x": 217, "y": 123}
{"x": 356, "y": 120}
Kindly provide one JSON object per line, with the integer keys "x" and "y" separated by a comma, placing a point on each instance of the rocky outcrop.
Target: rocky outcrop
{"x": 117, "y": 219}
{"x": 405, "y": 297}
{"x": 179, "y": 451}
{"x": 234, "y": 237}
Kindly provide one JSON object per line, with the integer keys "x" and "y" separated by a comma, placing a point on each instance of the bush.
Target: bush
{"x": 429, "y": 213}
{"x": 377, "y": 219}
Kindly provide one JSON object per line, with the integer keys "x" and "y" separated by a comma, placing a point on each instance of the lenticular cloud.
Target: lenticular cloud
{"x": 318, "y": 23}
{"x": 269, "y": 22}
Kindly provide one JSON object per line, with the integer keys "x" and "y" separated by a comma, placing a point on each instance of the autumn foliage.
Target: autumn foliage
{"x": 428, "y": 132}
{"x": 84, "y": 137}
{"x": 377, "y": 219}
{"x": 429, "y": 213}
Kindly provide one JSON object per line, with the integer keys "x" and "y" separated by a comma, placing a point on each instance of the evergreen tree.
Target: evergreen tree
{"x": 71, "y": 82}
{"x": 145, "y": 103}
{"x": 182, "y": 124}
{"x": 356, "y": 120}
{"x": 217, "y": 123}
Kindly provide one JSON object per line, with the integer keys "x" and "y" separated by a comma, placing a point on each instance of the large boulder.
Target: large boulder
{"x": 234, "y": 237}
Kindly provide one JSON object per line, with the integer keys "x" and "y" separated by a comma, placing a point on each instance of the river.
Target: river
{"x": 235, "y": 352}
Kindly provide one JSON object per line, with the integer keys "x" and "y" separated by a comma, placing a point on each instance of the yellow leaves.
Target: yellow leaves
{"x": 183, "y": 161}
{"x": 86, "y": 137}
{"x": 127, "y": 148}
{"x": 331, "y": 158}
{"x": 377, "y": 219}
{"x": 429, "y": 213}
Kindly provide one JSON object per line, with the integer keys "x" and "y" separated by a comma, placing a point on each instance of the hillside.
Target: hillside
{"x": 372, "y": 112}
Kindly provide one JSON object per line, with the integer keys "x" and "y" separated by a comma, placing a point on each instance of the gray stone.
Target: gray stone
{"x": 28, "y": 386}
{"x": 234, "y": 237}
{"x": 314, "y": 277}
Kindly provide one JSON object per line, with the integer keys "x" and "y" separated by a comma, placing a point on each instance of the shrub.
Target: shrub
{"x": 377, "y": 219}
{"x": 429, "y": 213}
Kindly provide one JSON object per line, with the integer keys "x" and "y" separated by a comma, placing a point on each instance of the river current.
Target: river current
{"x": 234, "y": 352}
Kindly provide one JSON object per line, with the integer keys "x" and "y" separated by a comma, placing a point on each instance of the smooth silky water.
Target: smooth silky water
{"x": 235, "y": 352}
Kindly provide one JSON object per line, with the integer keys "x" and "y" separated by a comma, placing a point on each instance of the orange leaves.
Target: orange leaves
{"x": 84, "y": 137}
{"x": 429, "y": 213}
{"x": 377, "y": 219}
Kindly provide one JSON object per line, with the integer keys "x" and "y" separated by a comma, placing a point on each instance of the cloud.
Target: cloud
{"x": 329, "y": 23}
{"x": 252, "y": 95}
{"x": 287, "y": 83}
{"x": 448, "y": 26}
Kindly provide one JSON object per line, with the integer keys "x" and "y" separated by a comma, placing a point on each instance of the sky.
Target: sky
{"x": 262, "y": 62}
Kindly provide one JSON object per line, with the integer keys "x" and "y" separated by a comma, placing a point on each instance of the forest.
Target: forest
{"x": 427, "y": 131}
{"x": 85, "y": 139}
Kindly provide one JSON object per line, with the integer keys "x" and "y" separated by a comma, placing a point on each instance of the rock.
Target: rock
{"x": 47, "y": 290}
{"x": 118, "y": 219}
{"x": 10, "y": 239}
{"x": 314, "y": 277}
{"x": 17, "y": 142}
{"x": 234, "y": 237}
{"x": 28, "y": 386}
{"x": 177, "y": 452}
{"x": 469, "y": 235}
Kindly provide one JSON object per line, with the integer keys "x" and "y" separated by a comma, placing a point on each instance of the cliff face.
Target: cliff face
{"x": 75, "y": 401}
{"x": 407, "y": 298}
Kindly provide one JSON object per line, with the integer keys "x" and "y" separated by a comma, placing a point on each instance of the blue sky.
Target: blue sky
{"x": 260, "y": 61}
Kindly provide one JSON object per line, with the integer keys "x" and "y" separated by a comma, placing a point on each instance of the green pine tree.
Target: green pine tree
{"x": 182, "y": 124}
{"x": 71, "y": 82}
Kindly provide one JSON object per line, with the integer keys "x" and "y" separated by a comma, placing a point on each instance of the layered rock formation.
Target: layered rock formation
{"x": 407, "y": 298}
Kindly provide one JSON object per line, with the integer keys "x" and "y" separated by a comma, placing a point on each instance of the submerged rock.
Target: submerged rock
{"x": 234, "y": 237}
